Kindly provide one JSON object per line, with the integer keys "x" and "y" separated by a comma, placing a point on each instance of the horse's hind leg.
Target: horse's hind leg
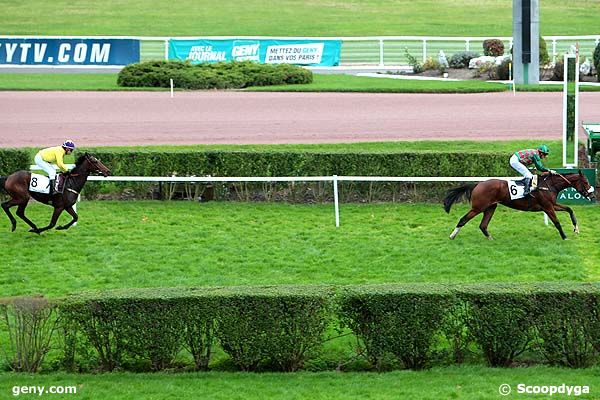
{"x": 6, "y": 207}
{"x": 487, "y": 216}
{"x": 21, "y": 214}
{"x": 73, "y": 214}
{"x": 463, "y": 221}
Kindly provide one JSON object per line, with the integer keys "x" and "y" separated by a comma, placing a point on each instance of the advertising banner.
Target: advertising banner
{"x": 24, "y": 51}
{"x": 298, "y": 52}
{"x": 570, "y": 195}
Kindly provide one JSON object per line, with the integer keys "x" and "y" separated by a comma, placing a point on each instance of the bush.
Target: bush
{"x": 461, "y": 59}
{"x": 499, "y": 319}
{"x": 567, "y": 319}
{"x": 30, "y": 323}
{"x": 544, "y": 58}
{"x": 12, "y": 160}
{"x": 277, "y": 327}
{"x": 223, "y": 75}
{"x": 596, "y": 60}
{"x": 503, "y": 70}
{"x": 399, "y": 320}
{"x": 297, "y": 163}
{"x": 493, "y": 47}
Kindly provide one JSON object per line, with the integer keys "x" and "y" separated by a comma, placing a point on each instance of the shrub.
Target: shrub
{"x": 544, "y": 58}
{"x": 413, "y": 62}
{"x": 499, "y": 319}
{"x": 461, "y": 59}
{"x": 503, "y": 70}
{"x": 567, "y": 319}
{"x": 30, "y": 323}
{"x": 493, "y": 47}
{"x": 596, "y": 60}
{"x": 399, "y": 320}
{"x": 12, "y": 160}
{"x": 431, "y": 64}
{"x": 280, "y": 326}
{"x": 223, "y": 75}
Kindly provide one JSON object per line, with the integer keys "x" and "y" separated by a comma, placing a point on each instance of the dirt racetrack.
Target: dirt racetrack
{"x": 35, "y": 119}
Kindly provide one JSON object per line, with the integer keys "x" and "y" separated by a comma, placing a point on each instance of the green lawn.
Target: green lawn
{"x": 462, "y": 382}
{"x": 180, "y": 243}
{"x": 288, "y": 18}
{"x": 321, "y": 83}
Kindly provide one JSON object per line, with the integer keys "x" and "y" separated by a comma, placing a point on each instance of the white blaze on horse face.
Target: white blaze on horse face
{"x": 454, "y": 233}
{"x": 591, "y": 189}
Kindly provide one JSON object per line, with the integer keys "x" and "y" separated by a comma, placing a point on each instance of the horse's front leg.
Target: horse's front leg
{"x": 558, "y": 207}
{"x": 55, "y": 215}
{"x": 73, "y": 214}
{"x": 556, "y": 222}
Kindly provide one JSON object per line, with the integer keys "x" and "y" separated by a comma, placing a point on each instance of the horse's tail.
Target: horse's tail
{"x": 453, "y": 195}
{"x": 2, "y": 181}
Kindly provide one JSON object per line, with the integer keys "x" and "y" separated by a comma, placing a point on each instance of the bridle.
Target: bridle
{"x": 570, "y": 184}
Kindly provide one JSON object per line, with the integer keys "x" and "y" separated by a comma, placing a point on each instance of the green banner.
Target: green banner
{"x": 570, "y": 195}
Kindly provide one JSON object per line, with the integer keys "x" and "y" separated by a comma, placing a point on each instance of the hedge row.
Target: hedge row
{"x": 222, "y": 75}
{"x": 280, "y": 328}
{"x": 12, "y": 160}
{"x": 287, "y": 163}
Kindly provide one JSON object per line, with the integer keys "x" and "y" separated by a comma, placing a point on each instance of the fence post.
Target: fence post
{"x": 336, "y": 201}
{"x": 381, "y": 52}
{"x": 424, "y": 50}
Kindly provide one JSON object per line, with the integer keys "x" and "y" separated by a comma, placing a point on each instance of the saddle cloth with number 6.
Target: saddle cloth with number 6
{"x": 516, "y": 188}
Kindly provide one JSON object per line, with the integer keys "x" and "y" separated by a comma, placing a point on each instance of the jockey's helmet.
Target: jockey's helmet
{"x": 544, "y": 149}
{"x": 69, "y": 144}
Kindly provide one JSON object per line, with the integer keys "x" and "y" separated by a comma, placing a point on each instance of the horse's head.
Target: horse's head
{"x": 91, "y": 164}
{"x": 580, "y": 183}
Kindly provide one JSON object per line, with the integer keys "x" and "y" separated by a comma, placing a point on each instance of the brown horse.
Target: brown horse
{"x": 17, "y": 186}
{"x": 485, "y": 196}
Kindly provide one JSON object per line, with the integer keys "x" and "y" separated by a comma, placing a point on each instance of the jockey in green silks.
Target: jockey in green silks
{"x": 522, "y": 159}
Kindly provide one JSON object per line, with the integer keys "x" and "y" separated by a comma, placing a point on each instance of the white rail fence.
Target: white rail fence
{"x": 335, "y": 179}
{"x": 376, "y": 51}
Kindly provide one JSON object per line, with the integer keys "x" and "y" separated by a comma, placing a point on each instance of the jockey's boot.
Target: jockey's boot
{"x": 527, "y": 188}
{"x": 51, "y": 190}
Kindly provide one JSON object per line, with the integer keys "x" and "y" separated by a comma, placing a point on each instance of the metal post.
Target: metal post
{"x": 381, "y": 52}
{"x": 336, "y": 201}
{"x": 424, "y": 50}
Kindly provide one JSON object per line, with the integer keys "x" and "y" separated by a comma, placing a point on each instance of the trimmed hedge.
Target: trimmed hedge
{"x": 399, "y": 320}
{"x": 222, "y": 75}
{"x": 280, "y": 328}
{"x": 12, "y": 160}
{"x": 288, "y": 163}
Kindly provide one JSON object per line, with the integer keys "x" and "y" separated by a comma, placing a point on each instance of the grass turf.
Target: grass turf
{"x": 321, "y": 83}
{"x": 152, "y": 244}
{"x": 288, "y": 18}
{"x": 457, "y": 382}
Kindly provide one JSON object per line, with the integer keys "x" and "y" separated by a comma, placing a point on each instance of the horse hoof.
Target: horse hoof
{"x": 32, "y": 230}
{"x": 60, "y": 228}
{"x": 490, "y": 238}
{"x": 13, "y": 228}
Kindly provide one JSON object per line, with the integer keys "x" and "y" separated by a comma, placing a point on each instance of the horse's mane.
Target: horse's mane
{"x": 80, "y": 159}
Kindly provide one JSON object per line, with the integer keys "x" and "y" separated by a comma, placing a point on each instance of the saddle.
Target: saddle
{"x": 59, "y": 185}
{"x": 534, "y": 182}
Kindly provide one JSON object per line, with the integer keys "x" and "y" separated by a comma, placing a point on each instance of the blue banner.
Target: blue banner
{"x": 24, "y": 51}
{"x": 299, "y": 52}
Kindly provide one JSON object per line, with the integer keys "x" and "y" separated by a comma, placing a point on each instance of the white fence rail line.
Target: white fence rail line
{"x": 333, "y": 178}
{"x": 378, "y": 51}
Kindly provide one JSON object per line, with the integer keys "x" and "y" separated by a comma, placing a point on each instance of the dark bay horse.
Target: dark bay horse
{"x": 485, "y": 196}
{"x": 17, "y": 186}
